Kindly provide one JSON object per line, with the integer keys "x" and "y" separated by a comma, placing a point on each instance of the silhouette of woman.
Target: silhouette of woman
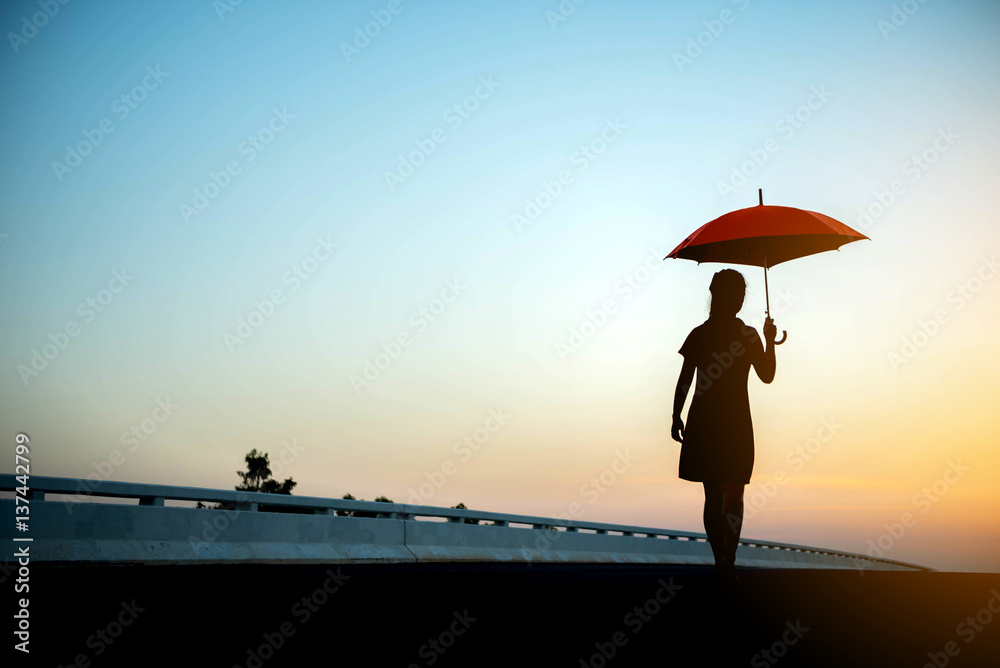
{"x": 717, "y": 446}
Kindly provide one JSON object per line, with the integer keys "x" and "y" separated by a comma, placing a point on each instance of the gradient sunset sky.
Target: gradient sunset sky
{"x": 248, "y": 197}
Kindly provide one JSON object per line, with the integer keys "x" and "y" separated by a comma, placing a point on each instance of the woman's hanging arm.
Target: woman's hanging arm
{"x": 680, "y": 396}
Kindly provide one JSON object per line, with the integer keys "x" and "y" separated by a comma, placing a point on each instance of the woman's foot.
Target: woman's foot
{"x": 730, "y": 574}
{"x": 725, "y": 572}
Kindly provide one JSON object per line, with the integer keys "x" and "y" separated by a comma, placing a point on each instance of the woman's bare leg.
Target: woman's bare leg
{"x": 732, "y": 514}
{"x": 715, "y": 527}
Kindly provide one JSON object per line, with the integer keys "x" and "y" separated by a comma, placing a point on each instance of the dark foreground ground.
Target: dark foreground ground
{"x": 486, "y": 615}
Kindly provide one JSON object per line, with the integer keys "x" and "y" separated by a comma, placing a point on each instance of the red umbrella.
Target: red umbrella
{"x": 763, "y": 236}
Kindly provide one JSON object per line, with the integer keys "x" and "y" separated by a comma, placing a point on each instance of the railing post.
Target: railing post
{"x": 151, "y": 501}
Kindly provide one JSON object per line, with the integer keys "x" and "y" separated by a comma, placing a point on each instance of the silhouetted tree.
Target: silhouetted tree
{"x": 361, "y": 513}
{"x": 461, "y": 506}
{"x": 347, "y": 513}
{"x": 257, "y": 478}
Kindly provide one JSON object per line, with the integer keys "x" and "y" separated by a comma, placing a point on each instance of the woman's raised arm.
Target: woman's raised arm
{"x": 766, "y": 364}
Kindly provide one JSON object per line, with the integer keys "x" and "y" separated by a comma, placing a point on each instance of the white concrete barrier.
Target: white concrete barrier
{"x": 310, "y": 532}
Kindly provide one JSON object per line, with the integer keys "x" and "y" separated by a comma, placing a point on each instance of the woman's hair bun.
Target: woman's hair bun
{"x": 728, "y": 281}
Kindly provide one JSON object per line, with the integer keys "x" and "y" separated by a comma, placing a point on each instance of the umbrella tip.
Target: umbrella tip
{"x": 760, "y": 196}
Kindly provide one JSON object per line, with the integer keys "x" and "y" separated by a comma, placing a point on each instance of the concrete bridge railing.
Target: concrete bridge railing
{"x": 273, "y": 528}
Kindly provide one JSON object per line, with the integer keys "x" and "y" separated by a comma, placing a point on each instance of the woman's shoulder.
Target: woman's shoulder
{"x": 746, "y": 330}
{"x": 701, "y": 331}
{"x": 695, "y": 340}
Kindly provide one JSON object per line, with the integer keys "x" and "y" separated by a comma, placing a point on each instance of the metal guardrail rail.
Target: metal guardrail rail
{"x": 156, "y": 496}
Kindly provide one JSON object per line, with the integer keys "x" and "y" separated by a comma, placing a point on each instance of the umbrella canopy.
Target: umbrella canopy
{"x": 763, "y": 236}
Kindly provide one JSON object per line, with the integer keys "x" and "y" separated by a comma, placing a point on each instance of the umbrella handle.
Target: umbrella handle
{"x": 784, "y": 334}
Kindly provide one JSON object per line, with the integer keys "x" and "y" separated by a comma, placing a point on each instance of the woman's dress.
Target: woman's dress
{"x": 718, "y": 436}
